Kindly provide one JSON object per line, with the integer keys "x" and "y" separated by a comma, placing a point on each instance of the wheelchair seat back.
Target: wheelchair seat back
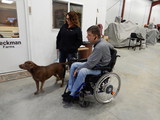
{"x": 113, "y": 59}
{"x": 111, "y": 64}
{"x": 94, "y": 78}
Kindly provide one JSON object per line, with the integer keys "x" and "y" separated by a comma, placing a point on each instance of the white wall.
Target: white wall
{"x": 101, "y": 6}
{"x": 42, "y": 38}
{"x": 40, "y": 28}
{"x": 90, "y": 13}
{"x": 113, "y": 9}
{"x": 155, "y": 16}
{"x": 137, "y": 11}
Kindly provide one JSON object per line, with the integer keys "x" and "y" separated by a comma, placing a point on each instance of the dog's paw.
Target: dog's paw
{"x": 42, "y": 91}
{"x": 35, "y": 93}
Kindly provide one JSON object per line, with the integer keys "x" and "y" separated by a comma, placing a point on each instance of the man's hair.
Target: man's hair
{"x": 94, "y": 30}
{"x": 73, "y": 18}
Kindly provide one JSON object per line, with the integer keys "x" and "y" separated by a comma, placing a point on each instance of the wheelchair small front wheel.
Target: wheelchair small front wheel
{"x": 84, "y": 104}
{"x": 107, "y": 87}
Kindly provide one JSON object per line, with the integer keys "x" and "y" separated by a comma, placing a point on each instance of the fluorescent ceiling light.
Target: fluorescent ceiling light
{"x": 7, "y": 1}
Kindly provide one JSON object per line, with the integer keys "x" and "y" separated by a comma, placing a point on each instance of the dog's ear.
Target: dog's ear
{"x": 29, "y": 65}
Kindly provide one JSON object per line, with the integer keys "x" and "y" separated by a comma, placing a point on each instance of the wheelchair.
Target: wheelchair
{"x": 104, "y": 87}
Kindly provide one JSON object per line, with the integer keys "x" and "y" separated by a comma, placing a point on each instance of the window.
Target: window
{"x": 59, "y": 11}
{"x": 61, "y": 8}
{"x": 8, "y": 19}
{"x": 78, "y": 9}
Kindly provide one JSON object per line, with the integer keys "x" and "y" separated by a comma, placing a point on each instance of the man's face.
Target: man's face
{"x": 91, "y": 37}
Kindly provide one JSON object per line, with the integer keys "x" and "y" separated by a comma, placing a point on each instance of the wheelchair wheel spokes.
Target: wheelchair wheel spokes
{"x": 107, "y": 87}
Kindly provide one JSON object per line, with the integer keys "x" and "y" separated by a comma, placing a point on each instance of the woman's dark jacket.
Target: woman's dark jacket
{"x": 69, "y": 39}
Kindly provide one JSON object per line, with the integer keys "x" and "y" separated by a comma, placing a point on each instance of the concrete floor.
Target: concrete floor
{"x": 138, "y": 99}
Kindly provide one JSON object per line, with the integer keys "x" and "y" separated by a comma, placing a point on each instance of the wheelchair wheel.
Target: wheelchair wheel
{"x": 107, "y": 87}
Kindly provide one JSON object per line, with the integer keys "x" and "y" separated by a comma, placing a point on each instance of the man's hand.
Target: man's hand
{"x": 75, "y": 73}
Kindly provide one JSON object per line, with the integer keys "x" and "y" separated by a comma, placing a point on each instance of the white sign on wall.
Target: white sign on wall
{"x": 10, "y": 44}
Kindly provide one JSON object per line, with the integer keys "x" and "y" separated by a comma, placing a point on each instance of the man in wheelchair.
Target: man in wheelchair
{"x": 100, "y": 56}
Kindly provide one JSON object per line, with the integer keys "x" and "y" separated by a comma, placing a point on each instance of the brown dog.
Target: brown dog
{"x": 42, "y": 73}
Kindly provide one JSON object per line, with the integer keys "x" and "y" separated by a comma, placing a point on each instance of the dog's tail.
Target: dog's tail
{"x": 66, "y": 63}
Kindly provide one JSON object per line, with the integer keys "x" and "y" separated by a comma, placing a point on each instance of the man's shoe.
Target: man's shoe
{"x": 75, "y": 99}
{"x": 68, "y": 99}
{"x": 66, "y": 94}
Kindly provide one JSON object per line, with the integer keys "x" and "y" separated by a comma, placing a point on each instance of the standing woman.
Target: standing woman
{"x": 69, "y": 37}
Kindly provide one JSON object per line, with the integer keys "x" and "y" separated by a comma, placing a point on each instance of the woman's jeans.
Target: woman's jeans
{"x": 66, "y": 56}
{"x": 75, "y": 82}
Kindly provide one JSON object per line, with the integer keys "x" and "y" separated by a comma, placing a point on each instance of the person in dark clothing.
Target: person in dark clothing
{"x": 69, "y": 38}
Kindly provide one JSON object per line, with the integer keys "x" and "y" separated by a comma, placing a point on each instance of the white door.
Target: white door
{"x": 13, "y": 39}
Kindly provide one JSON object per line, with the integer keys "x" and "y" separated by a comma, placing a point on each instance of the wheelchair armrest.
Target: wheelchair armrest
{"x": 118, "y": 56}
{"x": 108, "y": 68}
{"x": 78, "y": 60}
{"x": 82, "y": 60}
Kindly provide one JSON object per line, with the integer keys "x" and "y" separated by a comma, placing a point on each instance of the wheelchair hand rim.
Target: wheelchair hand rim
{"x": 101, "y": 80}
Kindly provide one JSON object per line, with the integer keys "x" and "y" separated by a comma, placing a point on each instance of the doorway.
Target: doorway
{"x": 13, "y": 35}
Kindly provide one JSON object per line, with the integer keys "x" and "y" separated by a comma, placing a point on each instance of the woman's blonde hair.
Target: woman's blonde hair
{"x": 73, "y": 18}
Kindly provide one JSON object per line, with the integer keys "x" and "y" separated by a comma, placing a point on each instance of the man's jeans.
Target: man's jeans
{"x": 75, "y": 82}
